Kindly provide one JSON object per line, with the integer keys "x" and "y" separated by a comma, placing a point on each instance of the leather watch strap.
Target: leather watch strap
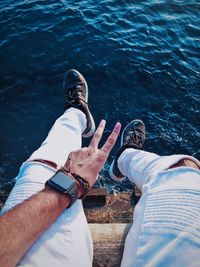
{"x": 83, "y": 183}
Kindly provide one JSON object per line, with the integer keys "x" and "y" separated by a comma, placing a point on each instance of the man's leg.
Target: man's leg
{"x": 65, "y": 136}
{"x": 166, "y": 223}
{"x": 68, "y": 241}
{"x": 140, "y": 166}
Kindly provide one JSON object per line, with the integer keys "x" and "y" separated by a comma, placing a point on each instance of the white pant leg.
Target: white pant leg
{"x": 166, "y": 227}
{"x": 68, "y": 241}
{"x": 64, "y": 137}
{"x": 139, "y": 166}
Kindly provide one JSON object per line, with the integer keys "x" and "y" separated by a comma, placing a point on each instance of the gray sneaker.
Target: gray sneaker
{"x": 76, "y": 89}
{"x": 133, "y": 136}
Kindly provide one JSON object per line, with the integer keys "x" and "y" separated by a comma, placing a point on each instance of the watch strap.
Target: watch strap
{"x": 85, "y": 185}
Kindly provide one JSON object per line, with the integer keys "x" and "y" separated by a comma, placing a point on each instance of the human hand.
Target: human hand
{"x": 88, "y": 161}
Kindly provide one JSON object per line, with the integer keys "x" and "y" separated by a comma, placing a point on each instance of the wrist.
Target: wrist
{"x": 83, "y": 183}
{"x": 68, "y": 184}
{"x": 65, "y": 184}
{"x": 63, "y": 200}
{"x": 78, "y": 185}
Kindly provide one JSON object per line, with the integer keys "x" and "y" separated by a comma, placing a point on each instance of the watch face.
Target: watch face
{"x": 62, "y": 182}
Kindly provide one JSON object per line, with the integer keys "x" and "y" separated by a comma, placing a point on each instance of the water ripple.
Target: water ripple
{"x": 140, "y": 59}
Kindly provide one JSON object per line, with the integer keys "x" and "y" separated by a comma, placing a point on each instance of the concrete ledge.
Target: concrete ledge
{"x": 110, "y": 218}
{"x": 101, "y": 207}
{"x": 108, "y": 243}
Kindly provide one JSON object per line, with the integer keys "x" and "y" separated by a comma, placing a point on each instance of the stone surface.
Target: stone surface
{"x": 109, "y": 217}
{"x": 108, "y": 242}
{"x": 117, "y": 208}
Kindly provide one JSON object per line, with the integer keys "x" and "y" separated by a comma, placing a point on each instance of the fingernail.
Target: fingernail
{"x": 118, "y": 125}
{"x": 103, "y": 121}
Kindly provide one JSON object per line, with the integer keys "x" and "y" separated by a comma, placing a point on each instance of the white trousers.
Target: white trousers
{"x": 166, "y": 228}
{"x": 67, "y": 242}
{"x": 166, "y": 221}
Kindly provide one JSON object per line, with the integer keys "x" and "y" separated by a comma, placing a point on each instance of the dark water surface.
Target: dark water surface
{"x": 141, "y": 60}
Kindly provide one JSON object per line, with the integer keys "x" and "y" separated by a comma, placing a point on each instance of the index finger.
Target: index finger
{"x": 98, "y": 134}
{"x": 112, "y": 138}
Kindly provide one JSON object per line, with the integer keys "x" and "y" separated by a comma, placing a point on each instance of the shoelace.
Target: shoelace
{"x": 134, "y": 136}
{"x": 73, "y": 95}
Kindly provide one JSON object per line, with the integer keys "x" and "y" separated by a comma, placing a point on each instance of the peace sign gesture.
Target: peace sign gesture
{"x": 88, "y": 161}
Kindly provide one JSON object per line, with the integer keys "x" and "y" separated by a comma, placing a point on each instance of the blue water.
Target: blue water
{"x": 141, "y": 60}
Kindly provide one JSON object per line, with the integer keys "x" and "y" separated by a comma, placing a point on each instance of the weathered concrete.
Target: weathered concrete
{"x": 101, "y": 207}
{"x": 109, "y": 217}
{"x": 108, "y": 243}
{"x": 118, "y": 208}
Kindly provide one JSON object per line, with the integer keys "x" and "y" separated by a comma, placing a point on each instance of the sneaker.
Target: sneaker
{"x": 133, "y": 136}
{"x": 76, "y": 89}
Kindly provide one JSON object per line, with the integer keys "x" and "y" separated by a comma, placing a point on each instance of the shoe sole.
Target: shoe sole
{"x": 114, "y": 177}
{"x": 93, "y": 128}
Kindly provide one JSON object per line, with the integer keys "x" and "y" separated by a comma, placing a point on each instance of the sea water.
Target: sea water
{"x": 141, "y": 60}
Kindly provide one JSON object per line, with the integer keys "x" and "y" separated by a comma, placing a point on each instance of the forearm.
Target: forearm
{"x": 21, "y": 226}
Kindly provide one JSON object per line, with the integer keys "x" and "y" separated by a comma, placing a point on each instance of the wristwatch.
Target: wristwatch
{"x": 64, "y": 184}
